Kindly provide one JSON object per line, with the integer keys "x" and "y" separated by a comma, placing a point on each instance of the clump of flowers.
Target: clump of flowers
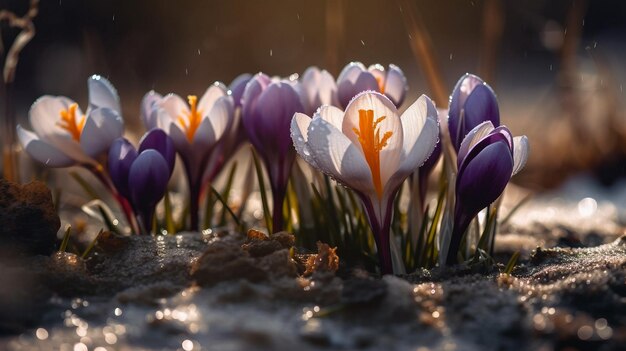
{"x": 196, "y": 127}
{"x": 370, "y": 148}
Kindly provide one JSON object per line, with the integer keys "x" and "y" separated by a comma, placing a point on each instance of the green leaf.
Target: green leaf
{"x": 66, "y": 239}
{"x": 227, "y": 190}
{"x": 223, "y": 202}
{"x": 88, "y": 189}
{"x": 92, "y": 244}
{"x": 261, "y": 180}
{"x": 511, "y": 265}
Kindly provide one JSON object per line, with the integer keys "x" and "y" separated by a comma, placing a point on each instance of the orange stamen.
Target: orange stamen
{"x": 191, "y": 121}
{"x": 69, "y": 123}
{"x": 372, "y": 144}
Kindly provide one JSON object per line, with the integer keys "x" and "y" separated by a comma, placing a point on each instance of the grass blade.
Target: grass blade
{"x": 66, "y": 239}
{"x": 509, "y": 266}
{"x": 223, "y": 202}
{"x": 92, "y": 244}
{"x": 226, "y": 191}
{"x": 266, "y": 208}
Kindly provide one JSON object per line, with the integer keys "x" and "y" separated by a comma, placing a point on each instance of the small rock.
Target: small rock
{"x": 28, "y": 220}
{"x": 224, "y": 261}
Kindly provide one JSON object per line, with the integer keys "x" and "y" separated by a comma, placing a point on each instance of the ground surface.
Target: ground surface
{"x": 163, "y": 293}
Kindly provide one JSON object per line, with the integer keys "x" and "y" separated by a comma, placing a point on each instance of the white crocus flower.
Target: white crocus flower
{"x": 196, "y": 127}
{"x": 63, "y": 136}
{"x": 370, "y": 149}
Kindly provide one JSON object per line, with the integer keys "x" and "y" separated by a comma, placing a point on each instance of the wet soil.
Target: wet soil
{"x": 226, "y": 291}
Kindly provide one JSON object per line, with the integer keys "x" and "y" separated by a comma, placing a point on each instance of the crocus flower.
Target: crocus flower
{"x": 370, "y": 149}
{"x": 391, "y": 82}
{"x": 268, "y": 107}
{"x": 235, "y": 136}
{"x": 488, "y": 157}
{"x": 318, "y": 88}
{"x": 355, "y": 78}
{"x": 471, "y": 103}
{"x": 195, "y": 129}
{"x": 63, "y": 136}
{"x": 141, "y": 176}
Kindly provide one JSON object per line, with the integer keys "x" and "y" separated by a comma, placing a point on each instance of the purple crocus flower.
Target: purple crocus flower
{"x": 355, "y": 78}
{"x": 138, "y": 176}
{"x": 488, "y": 157}
{"x": 471, "y": 103}
{"x": 147, "y": 180}
{"x": 238, "y": 86}
{"x": 268, "y": 107}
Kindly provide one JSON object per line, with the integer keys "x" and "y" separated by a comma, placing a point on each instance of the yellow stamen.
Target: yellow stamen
{"x": 191, "y": 121}
{"x": 372, "y": 143}
{"x": 69, "y": 123}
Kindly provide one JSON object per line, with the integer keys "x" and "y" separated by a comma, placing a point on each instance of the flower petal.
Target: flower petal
{"x": 338, "y": 157}
{"x": 42, "y": 151}
{"x": 44, "y": 116}
{"x": 174, "y": 106}
{"x": 332, "y": 115}
{"x": 148, "y": 178}
{"x": 220, "y": 118}
{"x": 272, "y": 116}
{"x": 474, "y": 136}
{"x": 158, "y": 140}
{"x": 421, "y": 133}
{"x": 419, "y": 124}
{"x": 395, "y": 85}
{"x": 299, "y": 135}
{"x": 471, "y": 103}
{"x": 103, "y": 125}
{"x": 210, "y": 96}
{"x": 481, "y": 105}
{"x": 149, "y": 107}
{"x": 319, "y": 89}
{"x": 520, "y": 153}
{"x": 102, "y": 94}
{"x": 238, "y": 86}
{"x": 122, "y": 154}
{"x": 352, "y": 80}
{"x": 484, "y": 177}
{"x": 391, "y": 154}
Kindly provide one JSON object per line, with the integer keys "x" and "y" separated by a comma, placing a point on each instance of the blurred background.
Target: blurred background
{"x": 558, "y": 67}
